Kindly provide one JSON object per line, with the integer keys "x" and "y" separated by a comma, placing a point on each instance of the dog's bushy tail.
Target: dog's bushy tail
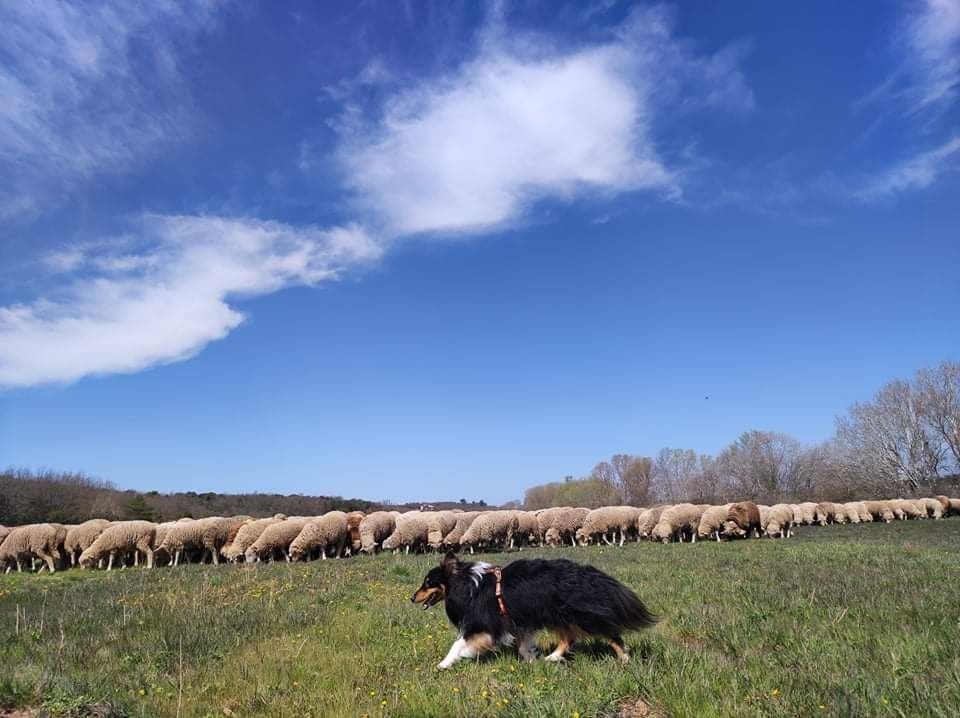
{"x": 630, "y": 612}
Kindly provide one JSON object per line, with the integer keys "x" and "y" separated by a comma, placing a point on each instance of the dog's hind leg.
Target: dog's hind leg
{"x": 566, "y": 640}
{"x": 616, "y": 643}
{"x": 472, "y": 647}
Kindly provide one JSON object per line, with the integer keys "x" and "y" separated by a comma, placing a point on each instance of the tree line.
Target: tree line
{"x": 69, "y": 497}
{"x": 905, "y": 441}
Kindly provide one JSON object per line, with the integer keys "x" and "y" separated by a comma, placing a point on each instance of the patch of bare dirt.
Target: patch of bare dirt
{"x": 639, "y": 708}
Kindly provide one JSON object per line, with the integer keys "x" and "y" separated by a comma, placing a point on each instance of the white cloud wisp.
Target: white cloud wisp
{"x": 130, "y": 305}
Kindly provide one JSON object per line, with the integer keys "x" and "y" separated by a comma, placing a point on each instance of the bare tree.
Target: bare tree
{"x": 939, "y": 391}
{"x": 760, "y": 465}
{"x": 889, "y": 435}
{"x": 633, "y": 476}
{"x": 674, "y": 472}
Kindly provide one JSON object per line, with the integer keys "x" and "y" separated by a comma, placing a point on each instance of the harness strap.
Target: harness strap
{"x": 498, "y": 591}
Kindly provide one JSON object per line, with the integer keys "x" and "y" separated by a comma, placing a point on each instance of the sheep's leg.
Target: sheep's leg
{"x": 406, "y": 551}
{"x": 176, "y": 558}
{"x": 136, "y": 558}
{"x": 476, "y": 645}
{"x": 110, "y": 562}
{"x": 605, "y": 538}
{"x": 623, "y": 537}
{"x": 216, "y": 559}
{"x": 471, "y": 550}
{"x": 148, "y": 552}
{"x": 573, "y": 541}
{"x": 51, "y": 564}
{"x": 323, "y": 553}
{"x": 693, "y": 537}
{"x": 717, "y": 532}
{"x": 680, "y": 536}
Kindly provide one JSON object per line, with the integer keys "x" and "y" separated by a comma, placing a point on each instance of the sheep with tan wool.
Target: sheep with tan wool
{"x": 954, "y": 507}
{"x": 326, "y": 533}
{"x": 220, "y": 532}
{"x": 778, "y": 521}
{"x": 354, "y": 518}
{"x": 185, "y": 538}
{"x": 606, "y": 522}
{"x": 933, "y": 508}
{"x": 909, "y": 508}
{"x": 464, "y": 519}
{"x": 897, "y": 510}
{"x": 545, "y": 518}
{"x": 4, "y": 531}
{"x": 26, "y": 543}
{"x": 797, "y": 514}
{"x": 528, "y": 529}
{"x": 119, "y": 539}
{"x": 647, "y": 519}
{"x": 246, "y": 535}
{"x": 880, "y": 510}
{"x": 376, "y": 527}
{"x": 830, "y": 511}
{"x": 275, "y": 539}
{"x": 563, "y": 526}
{"x": 80, "y": 537}
{"x": 410, "y": 532}
{"x": 713, "y": 523}
{"x": 491, "y": 529}
{"x": 677, "y": 522}
{"x": 439, "y": 524}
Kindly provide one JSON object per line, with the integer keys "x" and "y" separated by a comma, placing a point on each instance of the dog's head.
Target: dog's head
{"x": 436, "y": 582}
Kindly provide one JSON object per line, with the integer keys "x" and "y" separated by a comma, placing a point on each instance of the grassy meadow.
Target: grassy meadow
{"x": 838, "y": 621}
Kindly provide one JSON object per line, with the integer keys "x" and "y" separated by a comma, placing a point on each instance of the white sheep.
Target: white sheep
{"x": 491, "y": 529}
{"x": 246, "y": 535}
{"x": 25, "y": 543}
{"x": 932, "y": 507}
{"x": 648, "y": 519}
{"x": 374, "y": 528}
{"x": 439, "y": 524}
{"x": 464, "y": 519}
{"x": 276, "y": 539}
{"x": 678, "y": 521}
{"x": 185, "y": 537}
{"x": 119, "y": 539}
{"x": 324, "y": 533}
{"x": 219, "y": 532}
{"x": 528, "y": 530}
{"x": 410, "y": 532}
{"x": 607, "y": 522}
{"x": 713, "y": 522}
{"x": 563, "y": 525}
{"x": 778, "y": 520}
{"x": 81, "y": 536}
{"x": 880, "y": 510}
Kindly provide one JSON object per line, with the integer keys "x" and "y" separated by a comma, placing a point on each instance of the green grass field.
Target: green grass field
{"x": 843, "y": 620}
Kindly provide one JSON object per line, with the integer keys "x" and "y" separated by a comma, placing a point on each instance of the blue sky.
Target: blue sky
{"x": 411, "y": 250}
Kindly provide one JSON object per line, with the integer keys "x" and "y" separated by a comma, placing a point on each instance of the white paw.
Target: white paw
{"x": 554, "y": 658}
{"x": 442, "y": 665}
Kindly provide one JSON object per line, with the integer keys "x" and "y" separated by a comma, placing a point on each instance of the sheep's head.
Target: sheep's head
{"x": 662, "y": 532}
{"x": 250, "y": 555}
{"x": 86, "y": 560}
{"x": 584, "y": 538}
{"x": 552, "y": 537}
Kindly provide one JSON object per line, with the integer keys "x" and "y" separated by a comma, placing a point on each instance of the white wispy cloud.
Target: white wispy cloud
{"x": 926, "y": 79}
{"x": 524, "y": 121}
{"x": 162, "y": 294}
{"x": 916, "y": 172}
{"x": 86, "y": 88}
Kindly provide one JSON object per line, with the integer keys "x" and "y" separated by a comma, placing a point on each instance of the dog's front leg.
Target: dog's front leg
{"x": 467, "y": 648}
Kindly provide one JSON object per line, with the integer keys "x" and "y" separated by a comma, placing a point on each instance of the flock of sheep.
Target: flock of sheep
{"x": 104, "y": 544}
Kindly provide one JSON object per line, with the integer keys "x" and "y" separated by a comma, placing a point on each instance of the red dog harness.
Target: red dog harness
{"x": 501, "y": 606}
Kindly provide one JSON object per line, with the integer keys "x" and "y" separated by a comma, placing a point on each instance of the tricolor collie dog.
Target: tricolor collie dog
{"x": 492, "y": 606}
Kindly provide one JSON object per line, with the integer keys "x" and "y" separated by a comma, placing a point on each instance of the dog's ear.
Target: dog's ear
{"x": 449, "y": 563}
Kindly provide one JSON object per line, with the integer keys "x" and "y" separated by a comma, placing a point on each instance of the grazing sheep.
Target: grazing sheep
{"x": 933, "y": 508}
{"x": 326, "y": 532}
{"x": 831, "y": 513}
{"x": 491, "y": 529}
{"x": 909, "y": 508}
{"x": 778, "y": 521}
{"x": 880, "y": 510}
{"x": 545, "y": 519}
{"x": 604, "y": 523}
{"x": 81, "y": 536}
{"x": 410, "y": 532}
{"x": 439, "y": 524}
{"x": 678, "y": 521}
{"x": 186, "y": 537}
{"x": 353, "y": 529}
{"x": 797, "y": 514}
{"x": 121, "y": 538}
{"x": 375, "y": 528}
{"x": 713, "y": 522}
{"x": 850, "y": 513}
{"x": 563, "y": 526}
{"x": 809, "y": 513}
{"x": 464, "y": 519}
{"x": 30, "y": 542}
{"x": 528, "y": 529}
{"x": 276, "y": 539}
{"x": 220, "y": 532}
{"x": 648, "y": 519}
{"x": 246, "y": 535}
{"x": 745, "y": 519}
{"x": 897, "y": 510}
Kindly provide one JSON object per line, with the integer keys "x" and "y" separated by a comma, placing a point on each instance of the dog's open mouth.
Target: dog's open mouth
{"x": 428, "y": 597}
